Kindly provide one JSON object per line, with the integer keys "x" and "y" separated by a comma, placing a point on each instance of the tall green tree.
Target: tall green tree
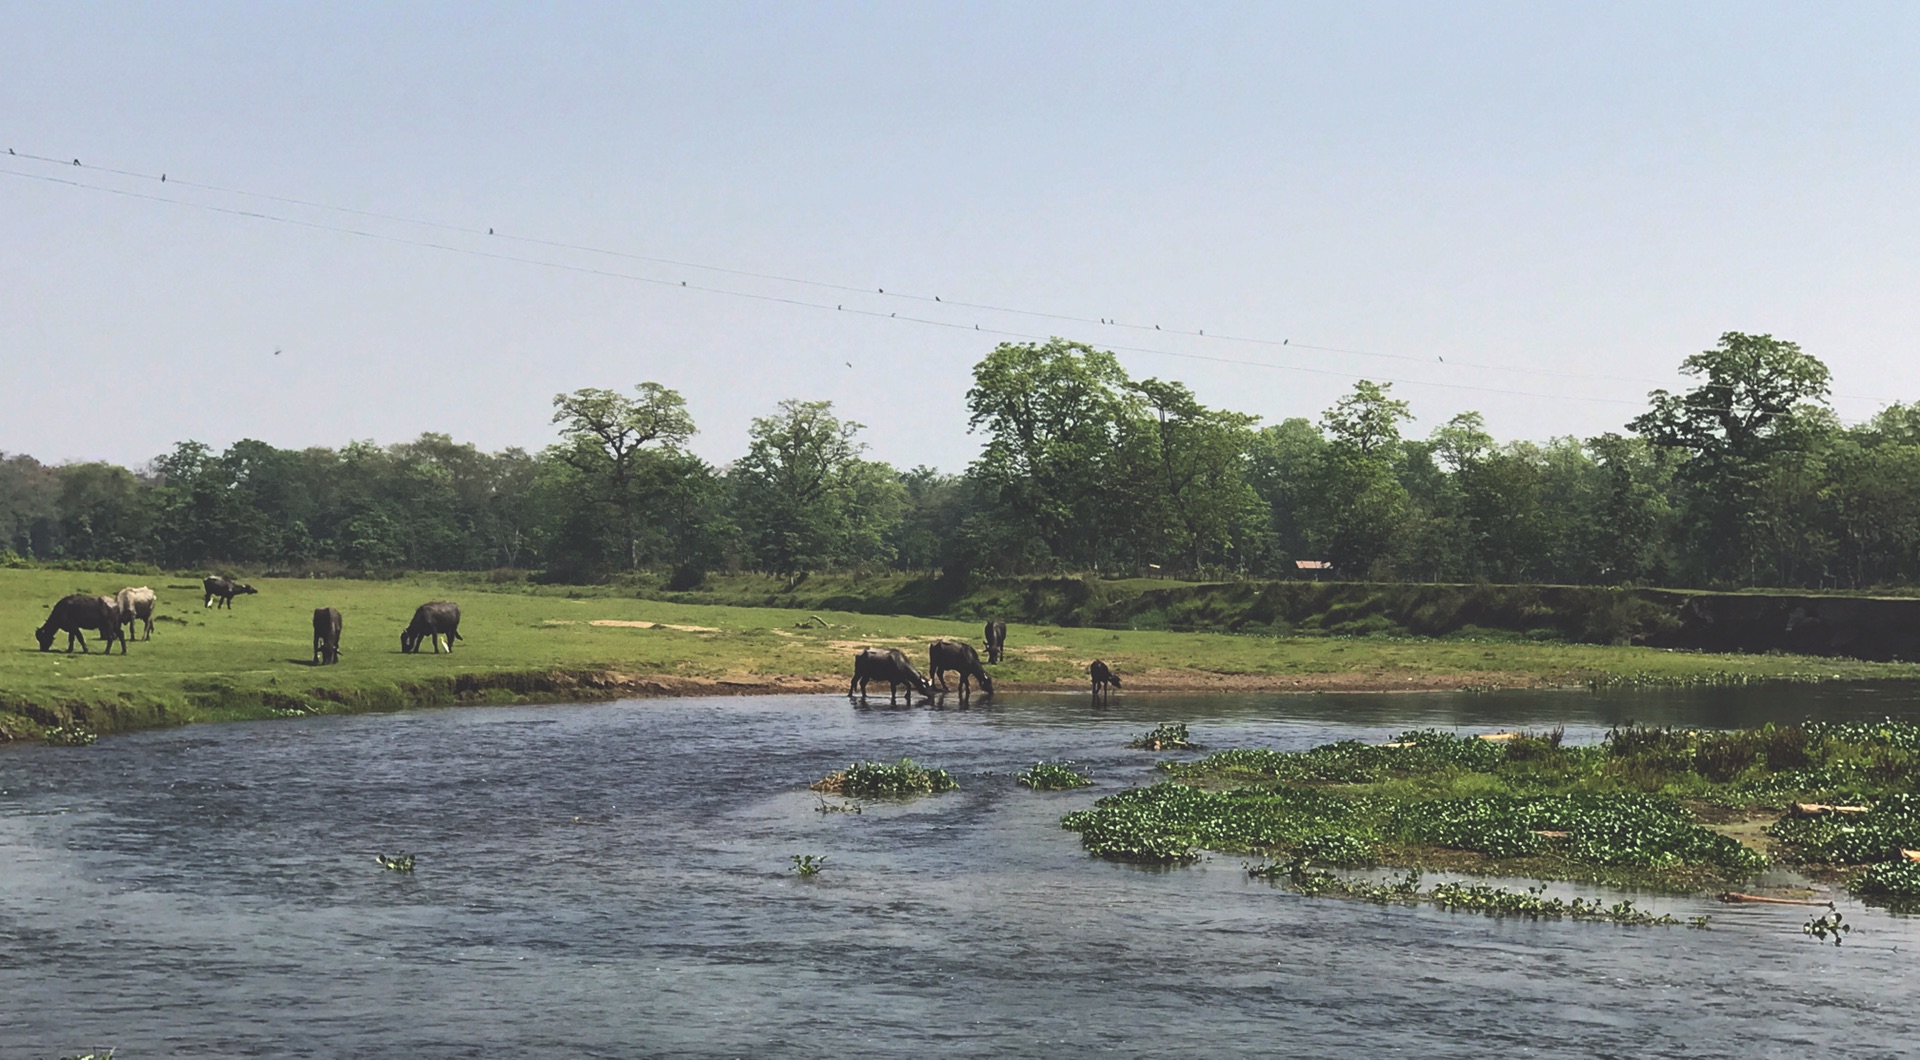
{"x": 620, "y": 445}
{"x": 1197, "y": 457}
{"x": 803, "y": 497}
{"x": 1053, "y": 414}
{"x": 1362, "y": 505}
{"x": 1758, "y": 399}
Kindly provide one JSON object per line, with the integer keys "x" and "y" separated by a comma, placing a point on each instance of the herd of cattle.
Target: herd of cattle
{"x": 950, "y": 656}
{"x": 115, "y": 617}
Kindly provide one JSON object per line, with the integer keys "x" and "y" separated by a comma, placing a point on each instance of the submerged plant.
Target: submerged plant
{"x": 1053, "y": 776}
{"x": 808, "y": 864}
{"x": 71, "y": 736}
{"x": 1167, "y": 736}
{"x": 879, "y": 780}
{"x": 1830, "y": 924}
{"x": 401, "y": 862}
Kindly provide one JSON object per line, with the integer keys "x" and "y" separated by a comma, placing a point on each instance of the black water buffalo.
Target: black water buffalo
{"x": 224, "y": 590}
{"x": 435, "y": 620}
{"x": 326, "y": 636}
{"x": 1104, "y": 679}
{"x": 944, "y": 655}
{"x": 889, "y": 665}
{"x": 996, "y": 639}
{"x": 136, "y": 605}
{"x": 76, "y": 614}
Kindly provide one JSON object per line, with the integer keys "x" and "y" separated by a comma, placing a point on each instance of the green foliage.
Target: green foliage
{"x": 1532, "y": 903}
{"x": 71, "y": 736}
{"x": 880, "y": 780}
{"x": 400, "y": 862}
{"x": 1054, "y": 776}
{"x": 807, "y": 865}
{"x": 1880, "y": 834}
{"x": 1167, "y": 736}
{"x": 1899, "y": 880}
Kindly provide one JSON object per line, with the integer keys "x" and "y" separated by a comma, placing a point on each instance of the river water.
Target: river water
{"x": 614, "y": 881}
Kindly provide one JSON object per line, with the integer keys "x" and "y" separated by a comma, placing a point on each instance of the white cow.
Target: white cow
{"x": 136, "y": 604}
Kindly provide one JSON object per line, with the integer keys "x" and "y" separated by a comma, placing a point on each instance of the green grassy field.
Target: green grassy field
{"x": 255, "y": 660}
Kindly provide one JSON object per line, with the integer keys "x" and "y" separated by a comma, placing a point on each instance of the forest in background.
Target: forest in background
{"x": 1743, "y": 477}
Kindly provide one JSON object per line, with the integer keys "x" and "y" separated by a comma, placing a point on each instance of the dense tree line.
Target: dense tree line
{"x": 1743, "y": 478}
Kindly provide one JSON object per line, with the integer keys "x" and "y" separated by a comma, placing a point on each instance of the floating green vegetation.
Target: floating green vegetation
{"x": 808, "y": 864}
{"x": 1531, "y": 903}
{"x": 1898, "y": 880}
{"x": 879, "y": 780}
{"x": 1828, "y": 925}
{"x": 402, "y": 862}
{"x": 1646, "y": 806}
{"x": 1054, "y": 776}
{"x": 1167, "y": 736}
{"x": 71, "y": 736}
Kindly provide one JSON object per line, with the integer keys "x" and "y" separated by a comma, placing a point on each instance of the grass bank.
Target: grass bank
{"x": 1672, "y": 809}
{"x": 544, "y": 644}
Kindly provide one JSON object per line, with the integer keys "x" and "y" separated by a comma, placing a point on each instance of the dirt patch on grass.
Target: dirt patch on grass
{"x": 625, "y": 624}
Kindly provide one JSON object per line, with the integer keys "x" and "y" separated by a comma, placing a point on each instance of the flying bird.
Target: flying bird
{"x": 163, "y": 178}
{"x": 1443, "y": 360}
{"x": 76, "y": 161}
{"x": 489, "y": 231}
{"x": 936, "y": 298}
{"x": 849, "y": 364}
{"x": 276, "y": 351}
{"x": 1283, "y": 342}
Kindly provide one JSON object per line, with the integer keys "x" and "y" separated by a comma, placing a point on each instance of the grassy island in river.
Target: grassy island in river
{"x": 527, "y": 644}
{"x": 1658, "y": 807}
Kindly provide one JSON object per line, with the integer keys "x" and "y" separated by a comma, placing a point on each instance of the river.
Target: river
{"x": 614, "y": 881}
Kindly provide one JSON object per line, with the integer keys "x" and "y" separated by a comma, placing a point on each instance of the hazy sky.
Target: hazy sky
{"x": 1583, "y": 194}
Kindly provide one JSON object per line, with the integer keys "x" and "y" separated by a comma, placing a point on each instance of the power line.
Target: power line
{"x": 758, "y": 296}
{"x": 882, "y": 292}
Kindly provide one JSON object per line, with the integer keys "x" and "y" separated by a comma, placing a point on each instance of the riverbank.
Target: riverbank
{"x": 254, "y": 661}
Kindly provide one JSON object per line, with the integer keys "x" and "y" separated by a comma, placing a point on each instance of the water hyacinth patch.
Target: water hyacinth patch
{"x": 1053, "y": 776}
{"x": 1898, "y": 880}
{"x": 880, "y": 780}
{"x": 1880, "y": 834}
{"x": 1167, "y": 736}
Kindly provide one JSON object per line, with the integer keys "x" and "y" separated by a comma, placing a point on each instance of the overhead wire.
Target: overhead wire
{"x": 882, "y": 292}
{"x": 166, "y": 179}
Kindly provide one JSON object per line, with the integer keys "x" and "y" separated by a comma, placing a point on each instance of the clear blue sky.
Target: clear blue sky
{"x": 1595, "y": 189}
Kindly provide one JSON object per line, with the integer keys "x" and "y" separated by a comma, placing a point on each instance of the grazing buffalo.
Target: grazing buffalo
{"x": 1104, "y": 679}
{"x": 944, "y": 655}
{"x": 326, "y": 636}
{"x": 136, "y": 605}
{"x": 996, "y": 640}
{"x": 76, "y": 614}
{"x": 889, "y": 665}
{"x": 224, "y": 590}
{"x": 435, "y": 620}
